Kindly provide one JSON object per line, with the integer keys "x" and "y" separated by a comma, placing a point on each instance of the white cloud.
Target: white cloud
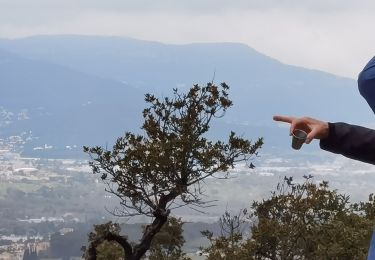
{"x": 335, "y": 36}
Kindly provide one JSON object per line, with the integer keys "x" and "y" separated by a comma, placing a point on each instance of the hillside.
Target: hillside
{"x": 112, "y": 73}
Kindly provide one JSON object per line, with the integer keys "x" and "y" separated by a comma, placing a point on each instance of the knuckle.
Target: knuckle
{"x": 305, "y": 118}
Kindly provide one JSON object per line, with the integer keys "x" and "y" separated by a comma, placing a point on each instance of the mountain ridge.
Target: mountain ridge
{"x": 260, "y": 86}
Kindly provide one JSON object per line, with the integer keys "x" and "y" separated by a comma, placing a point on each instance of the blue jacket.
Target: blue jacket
{"x": 371, "y": 251}
{"x": 353, "y": 141}
{"x": 356, "y": 142}
{"x": 366, "y": 83}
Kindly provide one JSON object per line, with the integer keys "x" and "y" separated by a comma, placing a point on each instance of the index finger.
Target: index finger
{"x": 286, "y": 119}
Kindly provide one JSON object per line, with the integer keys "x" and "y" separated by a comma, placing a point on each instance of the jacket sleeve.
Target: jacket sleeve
{"x": 352, "y": 141}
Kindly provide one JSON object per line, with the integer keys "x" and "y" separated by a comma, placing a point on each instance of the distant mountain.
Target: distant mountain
{"x": 62, "y": 107}
{"x": 91, "y": 68}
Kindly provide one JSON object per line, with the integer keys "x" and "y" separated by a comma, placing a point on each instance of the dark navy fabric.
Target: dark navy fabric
{"x": 352, "y": 141}
{"x": 366, "y": 83}
{"x": 366, "y": 86}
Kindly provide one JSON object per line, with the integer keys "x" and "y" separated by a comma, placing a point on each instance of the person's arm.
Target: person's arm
{"x": 352, "y": 141}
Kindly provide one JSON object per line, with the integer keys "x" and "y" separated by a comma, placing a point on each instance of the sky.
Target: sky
{"x": 336, "y": 36}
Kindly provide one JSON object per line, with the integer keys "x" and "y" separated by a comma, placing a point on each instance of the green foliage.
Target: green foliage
{"x": 224, "y": 247}
{"x": 106, "y": 250}
{"x": 170, "y": 160}
{"x": 167, "y": 244}
{"x": 302, "y": 221}
{"x": 366, "y": 208}
{"x": 229, "y": 245}
{"x": 173, "y": 156}
{"x": 309, "y": 220}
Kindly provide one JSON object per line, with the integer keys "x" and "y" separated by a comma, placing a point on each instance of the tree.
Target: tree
{"x": 165, "y": 167}
{"x": 301, "y": 221}
{"x": 229, "y": 244}
{"x": 167, "y": 244}
{"x": 307, "y": 221}
{"x": 103, "y": 239}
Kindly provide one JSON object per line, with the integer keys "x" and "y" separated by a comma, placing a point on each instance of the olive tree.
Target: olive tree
{"x": 165, "y": 166}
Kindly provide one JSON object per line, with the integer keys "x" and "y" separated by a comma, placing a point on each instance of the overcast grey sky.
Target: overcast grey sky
{"x": 331, "y": 35}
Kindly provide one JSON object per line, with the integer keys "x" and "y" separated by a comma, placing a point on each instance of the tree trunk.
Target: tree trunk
{"x": 138, "y": 251}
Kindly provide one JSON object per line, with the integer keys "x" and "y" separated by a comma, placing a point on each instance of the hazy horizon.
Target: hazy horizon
{"x": 332, "y": 37}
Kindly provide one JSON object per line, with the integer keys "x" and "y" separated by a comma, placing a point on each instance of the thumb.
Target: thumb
{"x": 293, "y": 125}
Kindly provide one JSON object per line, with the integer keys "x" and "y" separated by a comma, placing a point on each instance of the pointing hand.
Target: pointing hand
{"x": 314, "y": 128}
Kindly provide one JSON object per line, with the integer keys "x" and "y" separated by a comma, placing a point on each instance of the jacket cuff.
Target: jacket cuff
{"x": 326, "y": 143}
